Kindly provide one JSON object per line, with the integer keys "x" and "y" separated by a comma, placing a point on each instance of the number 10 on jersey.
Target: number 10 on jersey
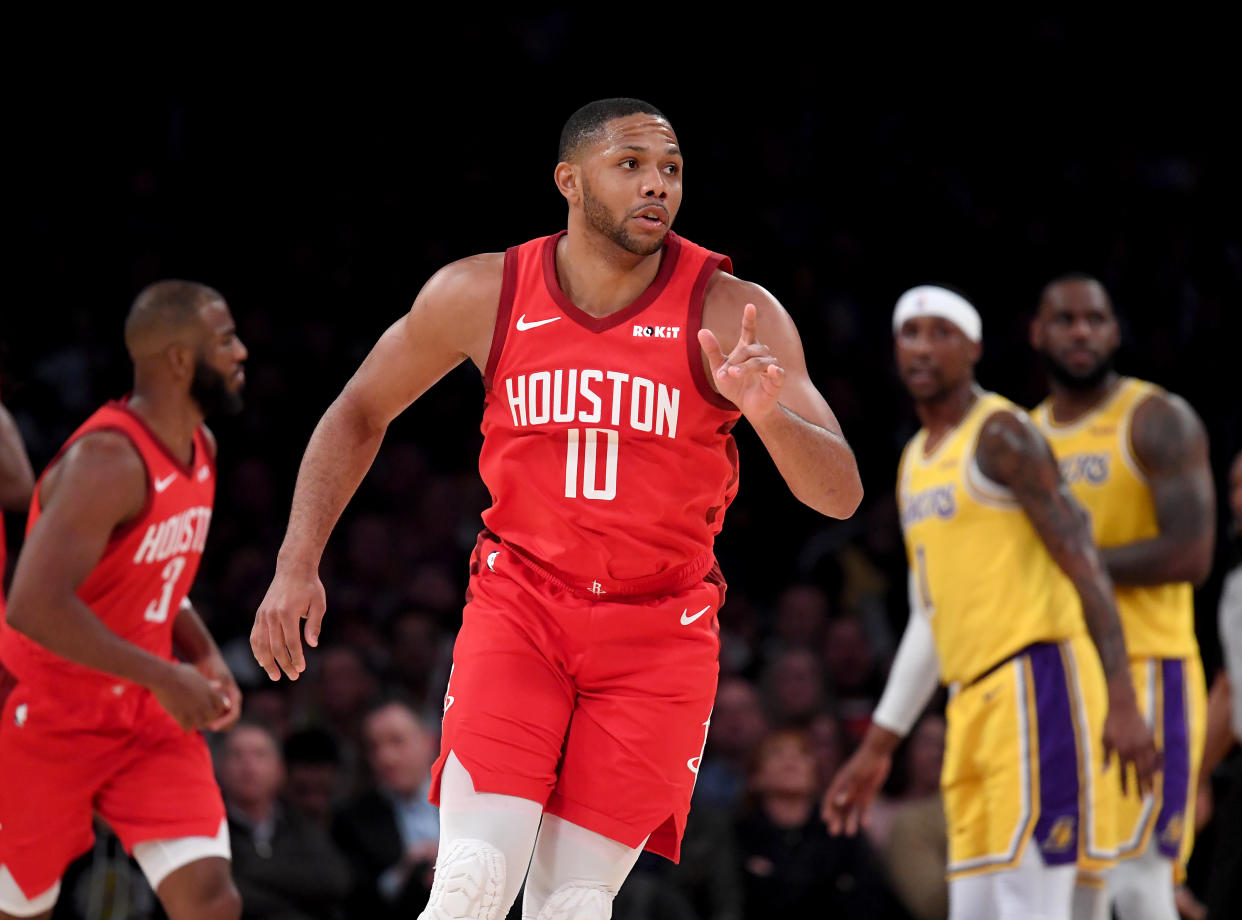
{"x": 585, "y": 442}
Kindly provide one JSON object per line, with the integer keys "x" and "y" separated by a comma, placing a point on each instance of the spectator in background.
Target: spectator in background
{"x": 343, "y": 688}
{"x": 314, "y": 780}
{"x": 791, "y": 867}
{"x": 827, "y": 739}
{"x": 269, "y": 705}
{"x": 853, "y": 674}
{"x": 392, "y": 831}
{"x": 909, "y": 832}
{"x": 794, "y": 689}
{"x": 419, "y": 656}
{"x": 1225, "y": 882}
{"x": 800, "y": 618}
{"x": 738, "y": 725}
{"x": 285, "y": 866}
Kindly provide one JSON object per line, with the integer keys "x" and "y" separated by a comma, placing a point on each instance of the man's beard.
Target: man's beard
{"x": 600, "y": 219}
{"x": 210, "y": 391}
{"x": 1080, "y": 381}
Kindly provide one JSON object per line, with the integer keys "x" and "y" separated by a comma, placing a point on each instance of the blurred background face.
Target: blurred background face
{"x": 934, "y": 357}
{"x": 926, "y": 755}
{"x": 796, "y": 686}
{"x": 398, "y": 748}
{"x": 785, "y": 766}
{"x": 345, "y": 685}
{"x": 827, "y": 747}
{"x": 738, "y": 722}
{"x": 1076, "y": 333}
{"x": 847, "y": 654}
{"x": 251, "y": 771}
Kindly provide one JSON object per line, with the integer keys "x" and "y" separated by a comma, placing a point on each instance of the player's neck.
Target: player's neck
{"x": 598, "y": 276}
{"x": 172, "y": 417}
{"x": 1069, "y": 404}
{"x": 944, "y": 412}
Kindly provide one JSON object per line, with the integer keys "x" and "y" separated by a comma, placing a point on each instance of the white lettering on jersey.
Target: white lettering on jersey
{"x": 563, "y": 396}
{"x": 656, "y": 332}
{"x": 183, "y": 532}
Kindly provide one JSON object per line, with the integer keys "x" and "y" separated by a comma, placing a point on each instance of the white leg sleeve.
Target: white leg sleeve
{"x": 575, "y": 873}
{"x": 972, "y": 898}
{"x": 485, "y": 846}
{"x": 1142, "y": 888}
{"x": 1034, "y": 891}
{"x": 1091, "y": 900}
{"x": 16, "y": 904}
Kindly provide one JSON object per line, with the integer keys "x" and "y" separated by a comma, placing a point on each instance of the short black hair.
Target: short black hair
{"x": 165, "y": 306}
{"x": 585, "y": 124}
{"x": 1071, "y": 277}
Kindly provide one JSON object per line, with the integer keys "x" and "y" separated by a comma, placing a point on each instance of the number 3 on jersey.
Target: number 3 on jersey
{"x": 157, "y": 610}
{"x": 589, "y": 439}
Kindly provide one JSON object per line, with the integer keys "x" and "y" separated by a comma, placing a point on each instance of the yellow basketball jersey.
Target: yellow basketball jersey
{"x": 1098, "y": 463}
{"x": 984, "y": 576}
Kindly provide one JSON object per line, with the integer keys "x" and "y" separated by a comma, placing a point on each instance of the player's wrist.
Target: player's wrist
{"x": 1121, "y": 692}
{"x": 297, "y": 562}
{"x": 880, "y": 741}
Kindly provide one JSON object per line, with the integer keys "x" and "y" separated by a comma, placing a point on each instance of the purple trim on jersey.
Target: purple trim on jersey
{"x": 694, "y": 322}
{"x": 504, "y": 312}
{"x": 1056, "y": 832}
{"x": 668, "y": 264}
{"x": 1175, "y": 792}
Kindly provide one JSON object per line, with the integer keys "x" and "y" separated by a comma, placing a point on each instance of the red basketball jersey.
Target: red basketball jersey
{"x": 146, "y": 569}
{"x": 606, "y": 451}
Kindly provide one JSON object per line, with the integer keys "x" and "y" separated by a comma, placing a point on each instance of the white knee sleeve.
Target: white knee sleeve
{"x": 1142, "y": 888}
{"x": 469, "y": 883}
{"x": 578, "y": 901}
{"x": 1091, "y": 901}
{"x": 14, "y": 902}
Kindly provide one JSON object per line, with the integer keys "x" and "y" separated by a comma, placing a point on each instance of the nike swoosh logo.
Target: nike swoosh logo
{"x": 522, "y": 325}
{"x": 687, "y": 620}
{"x": 162, "y": 484}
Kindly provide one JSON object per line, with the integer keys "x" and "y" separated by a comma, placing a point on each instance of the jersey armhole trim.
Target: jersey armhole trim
{"x": 504, "y": 310}
{"x": 133, "y": 523}
{"x": 694, "y": 322}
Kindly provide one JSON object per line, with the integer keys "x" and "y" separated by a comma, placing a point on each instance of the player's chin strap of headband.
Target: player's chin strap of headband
{"x": 914, "y": 676}
{"x": 929, "y": 300}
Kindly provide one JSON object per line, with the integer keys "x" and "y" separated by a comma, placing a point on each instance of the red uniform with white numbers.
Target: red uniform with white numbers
{"x": 73, "y": 740}
{"x": 586, "y": 665}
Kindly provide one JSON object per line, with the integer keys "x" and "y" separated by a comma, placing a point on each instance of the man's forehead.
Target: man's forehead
{"x": 638, "y": 130}
{"x": 1077, "y": 293}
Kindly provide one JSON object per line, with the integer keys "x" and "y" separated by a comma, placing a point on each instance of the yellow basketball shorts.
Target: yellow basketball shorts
{"x": 1172, "y": 696}
{"x": 1024, "y": 761}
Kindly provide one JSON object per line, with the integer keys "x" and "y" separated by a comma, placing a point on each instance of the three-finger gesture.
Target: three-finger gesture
{"x": 749, "y": 376}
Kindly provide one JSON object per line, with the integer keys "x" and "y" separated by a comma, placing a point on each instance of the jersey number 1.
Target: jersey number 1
{"x": 157, "y": 610}
{"x": 589, "y": 437}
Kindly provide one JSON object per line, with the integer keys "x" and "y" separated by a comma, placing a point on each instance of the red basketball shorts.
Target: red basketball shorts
{"x": 64, "y": 759}
{"x": 596, "y": 709}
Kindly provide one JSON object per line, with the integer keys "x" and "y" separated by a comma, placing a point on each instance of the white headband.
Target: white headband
{"x": 929, "y": 300}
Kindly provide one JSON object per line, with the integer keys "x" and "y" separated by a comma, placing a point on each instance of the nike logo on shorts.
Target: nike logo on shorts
{"x": 687, "y": 620}
{"x": 162, "y": 484}
{"x": 522, "y": 325}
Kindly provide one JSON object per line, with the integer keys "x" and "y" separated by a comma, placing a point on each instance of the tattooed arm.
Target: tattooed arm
{"x": 1013, "y": 453}
{"x": 1171, "y": 446}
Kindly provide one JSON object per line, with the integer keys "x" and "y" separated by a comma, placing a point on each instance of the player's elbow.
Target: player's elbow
{"x": 21, "y": 614}
{"x": 842, "y": 501}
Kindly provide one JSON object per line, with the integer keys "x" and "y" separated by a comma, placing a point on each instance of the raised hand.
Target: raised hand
{"x": 750, "y": 376}
{"x": 275, "y": 639}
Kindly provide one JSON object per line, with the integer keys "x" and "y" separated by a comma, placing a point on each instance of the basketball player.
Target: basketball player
{"x": 1137, "y": 458}
{"x": 616, "y": 356}
{"x": 104, "y": 719}
{"x": 16, "y": 484}
{"x": 1032, "y": 719}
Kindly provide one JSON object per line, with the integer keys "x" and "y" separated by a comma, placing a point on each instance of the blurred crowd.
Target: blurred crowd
{"x": 319, "y": 239}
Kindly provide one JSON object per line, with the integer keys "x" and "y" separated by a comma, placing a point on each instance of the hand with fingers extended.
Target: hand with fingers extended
{"x": 1126, "y": 734}
{"x": 189, "y": 697}
{"x": 749, "y": 376}
{"x": 852, "y": 790}
{"x": 276, "y": 639}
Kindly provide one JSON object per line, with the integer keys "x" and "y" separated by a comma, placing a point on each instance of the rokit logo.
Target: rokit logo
{"x": 657, "y": 332}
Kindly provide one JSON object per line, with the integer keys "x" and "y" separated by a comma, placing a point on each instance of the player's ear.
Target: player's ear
{"x": 568, "y": 181}
{"x": 181, "y": 359}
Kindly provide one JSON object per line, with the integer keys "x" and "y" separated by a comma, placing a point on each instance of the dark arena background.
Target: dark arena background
{"x": 318, "y": 173}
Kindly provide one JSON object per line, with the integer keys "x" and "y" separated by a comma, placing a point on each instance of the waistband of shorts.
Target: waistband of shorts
{"x": 958, "y": 686}
{"x": 662, "y": 584}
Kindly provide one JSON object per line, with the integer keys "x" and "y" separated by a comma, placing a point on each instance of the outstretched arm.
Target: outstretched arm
{"x": 451, "y": 319}
{"x": 1013, "y": 453}
{"x": 764, "y": 374}
{"x": 1171, "y": 445}
{"x": 16, "y": 476}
